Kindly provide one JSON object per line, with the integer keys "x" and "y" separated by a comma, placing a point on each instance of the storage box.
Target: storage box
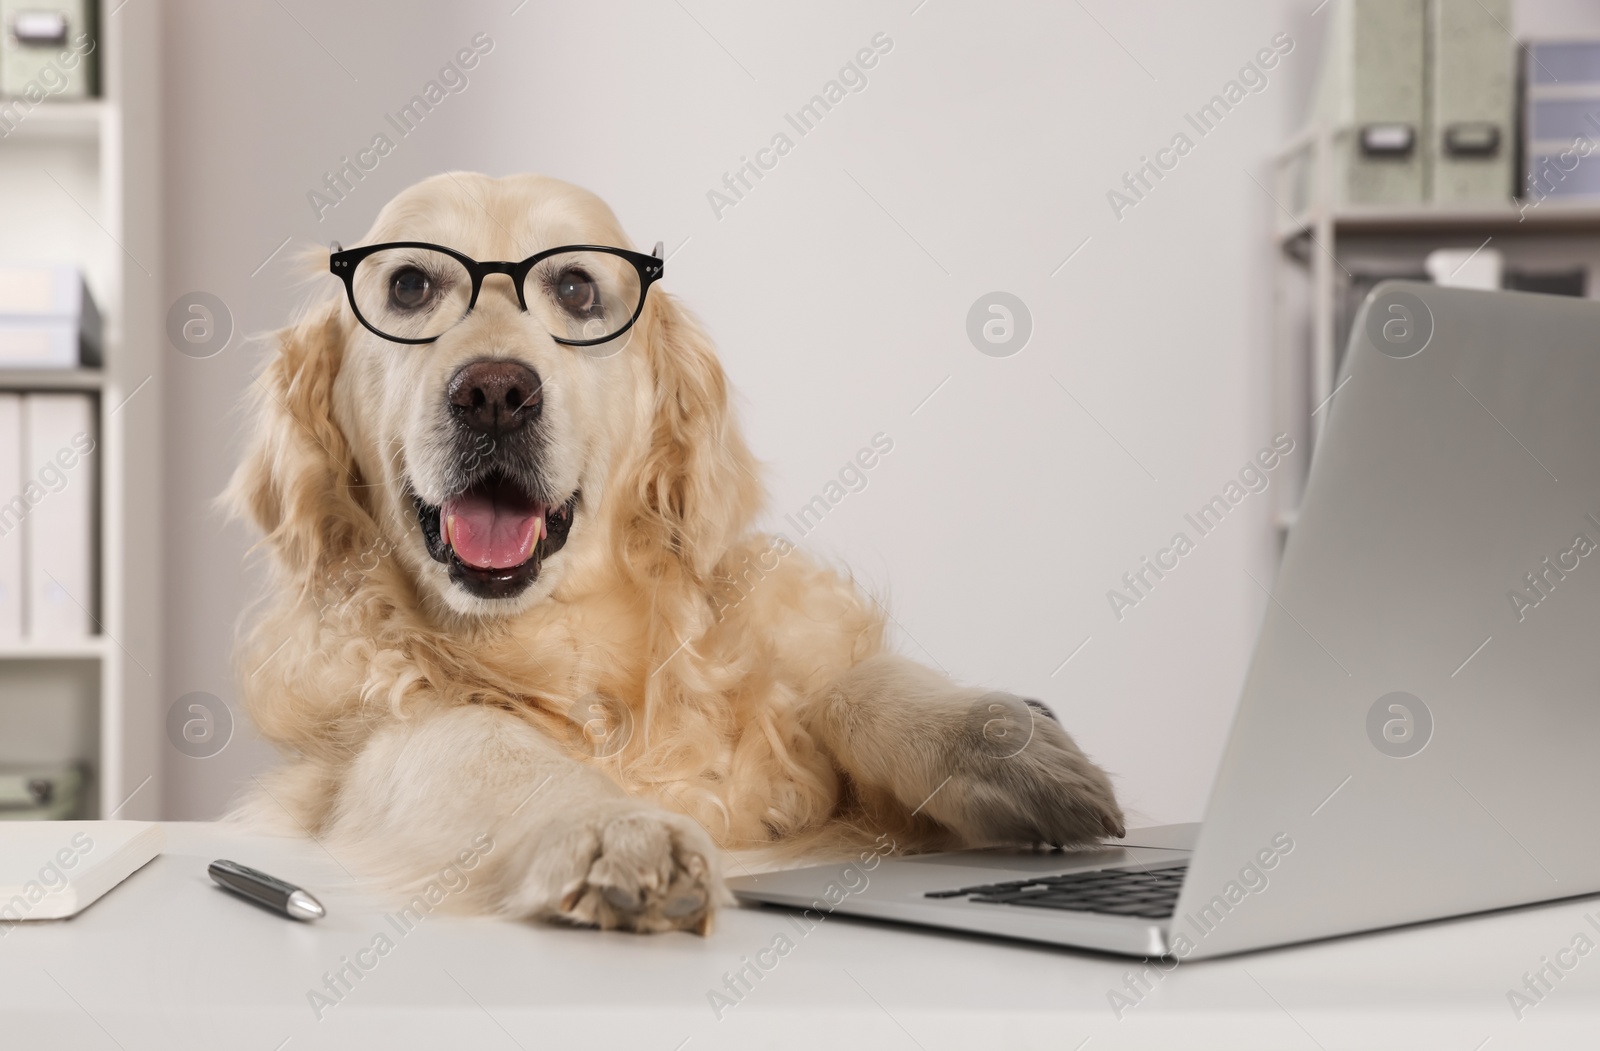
{"x": 1561, "y": 119}
{"x": 1418, "y": 100}
{"x": 47, "y": 49}
{"x": 1472, "y": 72}
{"x": 41, "y": 793}
{"x": 1370, "y": 94}
{"x": 48, "y": 319}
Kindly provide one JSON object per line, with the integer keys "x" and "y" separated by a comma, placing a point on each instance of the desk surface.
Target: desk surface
{"x": 168, "y": 961}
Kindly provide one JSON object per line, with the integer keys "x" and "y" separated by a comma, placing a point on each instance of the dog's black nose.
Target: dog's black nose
{"x": 495, "y": 397}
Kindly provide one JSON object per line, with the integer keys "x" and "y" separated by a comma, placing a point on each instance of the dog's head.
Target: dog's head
{"x": 504, "y": 431}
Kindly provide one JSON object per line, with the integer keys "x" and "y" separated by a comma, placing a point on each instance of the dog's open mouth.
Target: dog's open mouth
{"x": 494, "y": 535}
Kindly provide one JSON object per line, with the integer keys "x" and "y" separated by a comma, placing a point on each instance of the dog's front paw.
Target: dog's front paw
{"x": 637, "y": 868}
{"x": 1017, "y": 777}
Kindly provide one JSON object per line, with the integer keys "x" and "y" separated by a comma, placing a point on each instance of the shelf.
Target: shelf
{"x": 1497, "y": 220}
{"x": 88, "y": 649}
{"x": 84, "y": 175}
{"x": 52, "y": 379}
{"x": 56, "y": 121}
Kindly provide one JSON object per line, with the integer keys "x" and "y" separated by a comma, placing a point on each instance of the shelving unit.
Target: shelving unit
{"x": 1317, "y": 244}
{"x": 82, "y": 119}
{"x": 80, "y": 184}
{"x": 51, "y": 379}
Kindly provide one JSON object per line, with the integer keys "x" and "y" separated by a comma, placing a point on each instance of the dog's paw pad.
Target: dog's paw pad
{"x": 649, "y": 872}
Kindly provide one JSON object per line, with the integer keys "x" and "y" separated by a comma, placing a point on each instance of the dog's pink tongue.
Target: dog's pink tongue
{"x": 490, "y": 534}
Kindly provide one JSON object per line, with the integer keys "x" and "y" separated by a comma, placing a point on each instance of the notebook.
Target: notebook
{"x": 53, "y": 869}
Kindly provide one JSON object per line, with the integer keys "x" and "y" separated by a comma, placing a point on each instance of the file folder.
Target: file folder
{"x": 13, "y": 517}
{"x": 1472, "y": 94}
{"x": 60, "y": 483}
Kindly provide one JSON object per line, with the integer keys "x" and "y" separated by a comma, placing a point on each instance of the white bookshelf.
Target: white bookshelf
{"x": 80, "y": 184}
{"x": 1318, "y": 241}
{"x": 82, "y": 120}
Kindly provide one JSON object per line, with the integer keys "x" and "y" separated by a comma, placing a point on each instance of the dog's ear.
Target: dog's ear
{"x": 297, "y": 475}
{"x": 697, "y": 488}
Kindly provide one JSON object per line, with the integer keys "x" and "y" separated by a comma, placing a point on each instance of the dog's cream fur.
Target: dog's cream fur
{"x": 417, "y": 718}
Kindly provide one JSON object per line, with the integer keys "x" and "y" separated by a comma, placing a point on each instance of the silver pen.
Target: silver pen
{"x": 266, "y": 890}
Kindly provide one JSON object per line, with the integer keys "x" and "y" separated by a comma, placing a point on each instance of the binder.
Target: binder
{"x": 1472, "y": 95}
{"x": 13, "y": 518}
{"x": 59, "y": 476}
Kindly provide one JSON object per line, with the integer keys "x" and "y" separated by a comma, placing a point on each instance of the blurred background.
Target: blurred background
{"x": 1081, "y": 263}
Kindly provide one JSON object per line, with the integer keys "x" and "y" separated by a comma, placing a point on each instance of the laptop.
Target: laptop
{"x": 1417, "y": 735}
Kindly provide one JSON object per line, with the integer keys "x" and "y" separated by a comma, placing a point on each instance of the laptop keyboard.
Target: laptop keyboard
{"x": 1148, "y": 893}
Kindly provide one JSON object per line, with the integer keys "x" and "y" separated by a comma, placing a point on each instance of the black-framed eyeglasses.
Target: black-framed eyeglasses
{"x": 412, "y": 291}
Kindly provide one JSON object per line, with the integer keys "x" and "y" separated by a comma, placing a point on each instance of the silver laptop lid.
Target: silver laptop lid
{"x": 1417, "y": 734}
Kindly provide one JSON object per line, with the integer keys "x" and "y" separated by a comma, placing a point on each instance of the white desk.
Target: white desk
{"x": 168, "y": 961}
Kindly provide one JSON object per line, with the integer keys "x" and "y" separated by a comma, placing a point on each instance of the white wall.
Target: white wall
{"x": 977, "y": 159}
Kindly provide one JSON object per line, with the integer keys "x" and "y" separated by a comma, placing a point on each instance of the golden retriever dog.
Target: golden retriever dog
{"x": 518, "y": 619}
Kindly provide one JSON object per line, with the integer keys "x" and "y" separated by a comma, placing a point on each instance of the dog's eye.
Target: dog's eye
{"x": 576, "y": 291}
{"x": 410, "y": 288}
